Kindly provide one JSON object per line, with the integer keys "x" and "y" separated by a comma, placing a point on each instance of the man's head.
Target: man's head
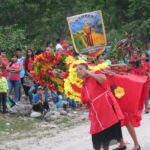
{"x": 81, "y": 70}
{"x": 135, "y": 54}
{"x": 131, "y": 65}
{"x": 144, "y": 56}
{"x": 3, "y": 53}
{"x": 40, "y": 91}
{"x": 18, "y": 52}
{"x": 100, "y": 59}
{"x": 49, "y": 44}
{"x": 59, "y": 50}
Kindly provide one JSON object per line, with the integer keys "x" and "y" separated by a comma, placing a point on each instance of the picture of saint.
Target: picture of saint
{"x": 87, "y": 32}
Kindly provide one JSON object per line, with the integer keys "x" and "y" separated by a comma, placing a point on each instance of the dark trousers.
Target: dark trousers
{"x": 32, "y": 90}
{"x": 40, "y": 107}
{"x": 21, "y": 79}
{"x": 3, "y": 101}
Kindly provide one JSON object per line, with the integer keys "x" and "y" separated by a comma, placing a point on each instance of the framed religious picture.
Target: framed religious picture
{"x": 88, "y": 33}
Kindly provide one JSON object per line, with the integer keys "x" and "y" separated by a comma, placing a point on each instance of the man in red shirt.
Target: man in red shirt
{"x": 3, "y": 63}
{"x": 135, "y": 56}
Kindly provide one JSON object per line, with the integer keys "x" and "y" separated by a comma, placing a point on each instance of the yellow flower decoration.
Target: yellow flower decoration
{"x": 73, "y": 79}
{"x": 69, "y": 60}
{"x": 119, "y": 92}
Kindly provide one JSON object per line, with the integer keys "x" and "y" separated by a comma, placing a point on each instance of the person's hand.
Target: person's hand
{"x": 87, "y": 72}
{"x": 43, "y": 97}
{"x": 39, "y": 102}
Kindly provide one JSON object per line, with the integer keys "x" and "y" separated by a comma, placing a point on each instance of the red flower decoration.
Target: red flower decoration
{"x": 49, "y": 72}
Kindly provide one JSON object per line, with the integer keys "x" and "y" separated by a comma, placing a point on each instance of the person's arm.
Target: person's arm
{"x": 34, "y": 101}
{"x": 117, "y": 65}
{"x": 17, "y": 69}
{"x": 43, "y": 98}
{"x": 4, "y": 63}
{"x": 99, "y": 77}
{"x": 9, "y": 69}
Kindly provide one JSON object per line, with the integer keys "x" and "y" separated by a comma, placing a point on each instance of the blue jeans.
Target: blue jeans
{"x": 72, "y": 103}
{"x": 16, "y": 84}
{"x": 32, "y": 90}
{"x": 54, "y": 96}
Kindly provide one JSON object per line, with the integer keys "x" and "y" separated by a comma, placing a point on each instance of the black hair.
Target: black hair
{"x": 11, "y": 61}
{"x": 133, "y": 63}
{"x": 58, "y": 40}
{"x": 18, "y": 49}
{"x": 27, "y": 58}
{"x": 39, "y": 51}
{"x": 99, "y": 56}
{"x": 48, "y": 42}
{"x": 85, "y": 65}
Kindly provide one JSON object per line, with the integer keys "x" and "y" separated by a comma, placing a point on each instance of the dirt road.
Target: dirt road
{"x": 76, "y": 138}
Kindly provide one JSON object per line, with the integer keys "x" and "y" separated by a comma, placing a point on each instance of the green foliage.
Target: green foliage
{"x": 44, "y": 20}
{"x": 11, "y": 38}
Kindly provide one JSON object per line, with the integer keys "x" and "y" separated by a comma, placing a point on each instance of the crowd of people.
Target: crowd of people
{"x": 17, "y": 75}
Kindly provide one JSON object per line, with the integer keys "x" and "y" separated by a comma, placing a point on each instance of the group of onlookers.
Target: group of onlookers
{"x": 16, "y": 75}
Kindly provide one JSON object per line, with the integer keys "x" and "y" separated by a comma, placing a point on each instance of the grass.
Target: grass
{"x": 64, "y": 120}
{"x": 17, "y": 124}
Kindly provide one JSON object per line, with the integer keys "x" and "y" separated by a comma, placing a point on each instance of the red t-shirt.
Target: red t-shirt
{"x": 100, "y": 99}
{"x": 64, "y": 45}
{"x": 70, "y": 52}
{"x": 29, "y": 65}
{"x": 5, "y": 73}
{"x": 142, "y": 70}
{"x": 12, "y": 75}
{"x": 146, "y": 66}
{"x": 133, "y": 59}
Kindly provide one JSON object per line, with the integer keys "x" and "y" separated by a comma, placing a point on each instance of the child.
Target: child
{"x": 62, "y": 103}
{"x": 38, "y": 101}
{"x": 3, "y": 91}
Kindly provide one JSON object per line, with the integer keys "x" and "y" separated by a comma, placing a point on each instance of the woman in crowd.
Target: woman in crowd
{"x": 28, "y": 71}
{"x": 14, "y": 69}
{"x": 105, "y": 125}
{"x": 135, "y": 56}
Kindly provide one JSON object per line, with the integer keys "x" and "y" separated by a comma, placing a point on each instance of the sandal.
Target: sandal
{"x": 139, "y": 148}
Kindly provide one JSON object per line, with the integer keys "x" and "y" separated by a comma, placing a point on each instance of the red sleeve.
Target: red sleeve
{"x": 5, "y": 60}
{"x": 98, "y": 72}
{"x": 131, "y": 59}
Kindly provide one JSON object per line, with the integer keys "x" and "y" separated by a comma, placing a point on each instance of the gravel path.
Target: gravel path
{"x": 77, "y": 138}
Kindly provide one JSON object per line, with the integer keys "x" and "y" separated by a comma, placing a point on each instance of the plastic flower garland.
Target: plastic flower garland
{"x": 73, "y": 84}
{"x": 47, "y": 68}
{"x": 119, "y": 92}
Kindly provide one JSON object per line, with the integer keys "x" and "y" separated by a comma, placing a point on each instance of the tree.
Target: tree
{"x": 11, "y": 38}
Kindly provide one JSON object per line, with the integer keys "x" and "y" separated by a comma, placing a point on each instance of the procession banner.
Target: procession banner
{"x": 88, "y": 33}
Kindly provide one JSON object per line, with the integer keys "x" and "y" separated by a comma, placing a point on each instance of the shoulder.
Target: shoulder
{"x": 18, "y": 64}
{"x": 5, "y": 59}
{"x": 35, "y": 95}
{"x": 99, "y": 72}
